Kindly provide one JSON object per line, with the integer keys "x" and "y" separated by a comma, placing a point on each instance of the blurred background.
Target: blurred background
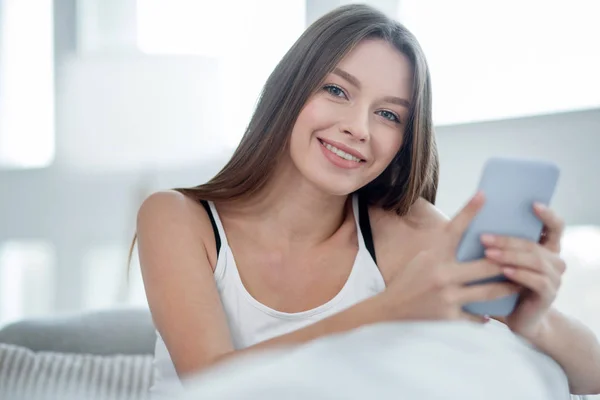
{"x": 105, "y": 101}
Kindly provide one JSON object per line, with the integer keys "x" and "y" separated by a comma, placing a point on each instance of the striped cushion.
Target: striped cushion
{"x": 28, "y": 375}
{"x": 25, "y": 375}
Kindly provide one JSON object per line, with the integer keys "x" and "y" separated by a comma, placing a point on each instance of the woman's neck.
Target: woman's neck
{"x": 291, "y": 209}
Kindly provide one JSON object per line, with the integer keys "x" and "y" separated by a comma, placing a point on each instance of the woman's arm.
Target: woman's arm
{"x": 575, "y": 348}
{"x": 178, "y": 279}
{"x": 538, "y": 267}
{"x": 173, "y": 235}
{"x": 369, "y": 311}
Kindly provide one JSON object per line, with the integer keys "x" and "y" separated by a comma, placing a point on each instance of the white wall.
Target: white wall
{"x": 571, "y": 139}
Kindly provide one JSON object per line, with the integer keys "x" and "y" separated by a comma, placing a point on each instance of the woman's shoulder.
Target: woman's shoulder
{"x": 398, "y": 238}
{"x": 166, "y": 214}
{"x": 422, "y": 217}
{"x": 169, "y": 205}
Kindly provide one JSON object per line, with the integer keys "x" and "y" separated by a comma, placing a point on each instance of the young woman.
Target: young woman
{"x": 324, "y": 219}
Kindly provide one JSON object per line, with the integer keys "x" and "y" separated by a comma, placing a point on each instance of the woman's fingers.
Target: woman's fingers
{"x": 551, "y": 235}
{"x": 553, "y": 227}
{"x": 486, "y": 292}
{"x": 540, "y": 284}
{"x": 473, "y": 271}
{"x": 508, "y": 243}
{"x": 528, "y": 260}
{"x": 459, "y": 223}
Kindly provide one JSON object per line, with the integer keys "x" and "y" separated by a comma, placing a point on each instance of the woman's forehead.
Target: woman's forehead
{"x": 378, "y": 65}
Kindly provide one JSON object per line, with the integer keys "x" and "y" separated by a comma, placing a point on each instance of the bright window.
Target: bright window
{"x": 26, "y": 280}
{"x": 495, "y": 60}
{"x": 183, "y": 27}
{"x": 107, "y": 283}
{"x": 26, "y": 84}
{"x": 185, "y": 76}
{"x": 104, "y": 275}
{"x": 247, "y": 37}
{"x": 580, "y": 292}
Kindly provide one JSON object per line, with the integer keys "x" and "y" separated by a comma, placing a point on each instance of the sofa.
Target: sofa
{"x": 96, "y": 355}
{"x": 102, "y": 355}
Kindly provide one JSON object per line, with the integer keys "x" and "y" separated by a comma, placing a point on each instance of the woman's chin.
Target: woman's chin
{"x": 336, "y": 186}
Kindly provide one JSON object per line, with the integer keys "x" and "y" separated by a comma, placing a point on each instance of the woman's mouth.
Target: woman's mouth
{"x": 340, "y": 153}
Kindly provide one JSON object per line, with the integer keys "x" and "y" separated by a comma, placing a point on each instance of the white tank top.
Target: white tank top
{"x": 251, "y": 322}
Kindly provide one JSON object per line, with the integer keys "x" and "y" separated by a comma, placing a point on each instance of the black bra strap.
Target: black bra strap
{"x": 363, "y": 221}
{"x": 213, "y": 223}
{"x": 365, "y": 227}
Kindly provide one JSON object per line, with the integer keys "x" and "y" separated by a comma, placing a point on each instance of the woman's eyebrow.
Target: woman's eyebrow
{"x": 355, "y": 82}
{"x": 397, "y": 100}
{"x": 347, "y": 76}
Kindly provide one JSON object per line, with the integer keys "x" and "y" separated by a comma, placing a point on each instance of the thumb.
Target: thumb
{"x": 459, "y": 223}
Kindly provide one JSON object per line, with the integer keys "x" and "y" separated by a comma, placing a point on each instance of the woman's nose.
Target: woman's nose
{"x": 357, "y": 125}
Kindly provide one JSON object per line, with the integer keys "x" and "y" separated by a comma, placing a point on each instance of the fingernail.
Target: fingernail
{"x": 508, "y": 271}
{"x": 493, "y": 253}
{"x": 540, "y": 206}
{"x": 487, "y": 238}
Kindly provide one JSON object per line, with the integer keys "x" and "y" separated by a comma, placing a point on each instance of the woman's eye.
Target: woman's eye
{"x": 389, "y": 116}
{"x": 335, "y": 91}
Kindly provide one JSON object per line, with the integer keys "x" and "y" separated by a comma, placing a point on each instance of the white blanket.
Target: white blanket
{"x": 436, "y": 360}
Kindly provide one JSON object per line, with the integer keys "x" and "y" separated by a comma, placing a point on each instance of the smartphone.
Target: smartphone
{"x": 510, "y": 187}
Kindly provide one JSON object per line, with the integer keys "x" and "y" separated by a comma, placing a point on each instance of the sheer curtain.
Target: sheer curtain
{"x": 26, "y": 144}
{"x": 155, "y": 93}
{"x": 189, "y": 73}
{"x": 26, "y": 84}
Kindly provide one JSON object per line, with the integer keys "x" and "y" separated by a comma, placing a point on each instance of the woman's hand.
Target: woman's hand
{"x": 433, "y": 285}
{"x": 537, "y": 267}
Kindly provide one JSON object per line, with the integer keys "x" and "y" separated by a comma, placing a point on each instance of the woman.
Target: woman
{"x": 323, "y": 219}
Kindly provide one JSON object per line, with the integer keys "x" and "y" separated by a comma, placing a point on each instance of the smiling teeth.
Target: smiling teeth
{"x": 341, "y": 153}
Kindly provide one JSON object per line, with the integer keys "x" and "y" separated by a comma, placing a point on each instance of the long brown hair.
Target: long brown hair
{"x": 414, "y": 171}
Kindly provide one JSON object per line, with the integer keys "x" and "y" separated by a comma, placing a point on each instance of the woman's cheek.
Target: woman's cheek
{"x": 317, "y": 112}
{"x": 386, "y": 146}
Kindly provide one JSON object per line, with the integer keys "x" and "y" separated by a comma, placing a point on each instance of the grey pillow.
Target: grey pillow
{"x": 119, "y": 331}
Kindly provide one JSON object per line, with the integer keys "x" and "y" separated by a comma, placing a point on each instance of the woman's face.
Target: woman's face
{"x": 352, "y": 127}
